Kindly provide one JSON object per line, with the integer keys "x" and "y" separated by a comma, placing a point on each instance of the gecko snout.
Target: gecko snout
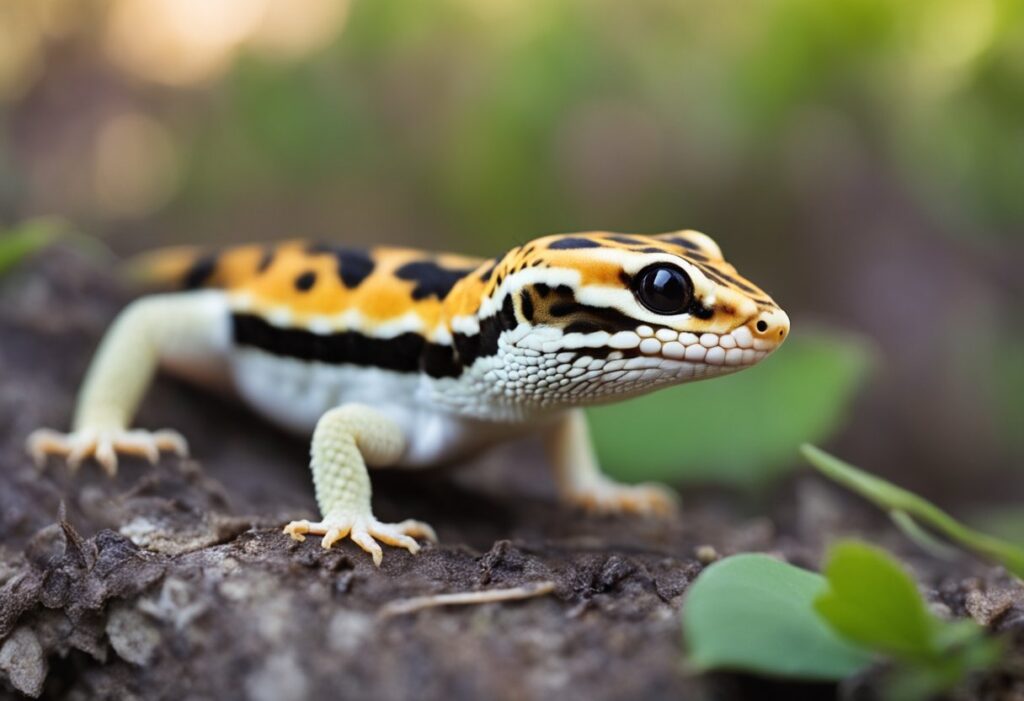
{"x": 772, "y": 326}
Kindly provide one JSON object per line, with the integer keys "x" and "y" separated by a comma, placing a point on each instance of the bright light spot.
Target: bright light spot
{"x": 182, "y": 42}
{"x": 19, "y": 48}
{"x": 136, "y": 166}
{"x": 179, "y": 41}
{"x": 953, "y": 34}
{"x": 24, "y": 29}
{"x": 291, "y": 29}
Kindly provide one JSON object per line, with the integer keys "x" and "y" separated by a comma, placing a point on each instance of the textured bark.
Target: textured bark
{"x": 175, "y": 581}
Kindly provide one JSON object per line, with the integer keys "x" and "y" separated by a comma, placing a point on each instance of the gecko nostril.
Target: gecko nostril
{"x": 762, "y": 325}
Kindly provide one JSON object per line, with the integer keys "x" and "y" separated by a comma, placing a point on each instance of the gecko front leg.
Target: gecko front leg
{"x": 582, "y": 483}
{"x": 187, "y": 326}
{"x": 345, "y": 440}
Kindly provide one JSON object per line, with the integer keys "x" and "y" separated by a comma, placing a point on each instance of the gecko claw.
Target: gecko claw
{"x": 609, "y": 497}
{"x": 364, "y": 531}
{"x": 103, "y": 445}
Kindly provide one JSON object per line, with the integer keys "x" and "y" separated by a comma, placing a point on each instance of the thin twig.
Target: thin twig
{"x": 418, "y": 603}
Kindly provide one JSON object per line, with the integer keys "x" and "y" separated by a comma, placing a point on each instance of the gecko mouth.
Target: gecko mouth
{"x": 633, "y": 362}
{"x": 735, "y": 349}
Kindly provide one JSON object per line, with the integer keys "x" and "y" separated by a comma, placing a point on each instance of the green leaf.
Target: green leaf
{"x": 739, "y": 429}
{"x": 893, "y": 499}
{"x": 753, "y": 613}
{"x": 27, "y": 237}
{"x": 872, "y": 601}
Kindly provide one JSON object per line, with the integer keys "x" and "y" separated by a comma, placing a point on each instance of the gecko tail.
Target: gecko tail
{"x": 174, "y": 268}
{"x": 195, "y": 267}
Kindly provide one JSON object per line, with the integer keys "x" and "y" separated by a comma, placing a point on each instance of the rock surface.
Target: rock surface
{"x": 175, "y": 581}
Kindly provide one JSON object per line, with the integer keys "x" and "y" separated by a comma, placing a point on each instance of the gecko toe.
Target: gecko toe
{"x": 297, "y": 530}
{"x": 417, "y": 529}
{"x": 43, "y": 442}
{"x": 171, "y": 441}
{"x": 106, "y": 455}
{"x": 364, "y": 540}
{"x": 397, "y": 539}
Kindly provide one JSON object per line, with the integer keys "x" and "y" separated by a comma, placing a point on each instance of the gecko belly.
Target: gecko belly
{"x": 294, "y": 394}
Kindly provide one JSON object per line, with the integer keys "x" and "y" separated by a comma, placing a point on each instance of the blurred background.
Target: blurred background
{"x": 862, "y": 160}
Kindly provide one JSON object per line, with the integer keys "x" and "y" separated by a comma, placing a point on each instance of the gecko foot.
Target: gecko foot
{"x": 609, "y": 497}
{"x": 103, "y": 445}
{"x": 363, "y": 530}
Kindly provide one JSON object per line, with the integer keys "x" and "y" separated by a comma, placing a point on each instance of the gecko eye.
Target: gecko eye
{"x": 664, "y": 289}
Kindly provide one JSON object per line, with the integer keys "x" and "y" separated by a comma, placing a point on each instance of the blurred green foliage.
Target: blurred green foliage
{"x": 1007, "y": 385}
{"x": 18, "y": 242}
{"x": 740, "y": 429}
{"x": 483, "y": 109}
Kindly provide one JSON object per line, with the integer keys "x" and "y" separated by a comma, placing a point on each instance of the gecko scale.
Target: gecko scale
{"x": 396, "y": 357}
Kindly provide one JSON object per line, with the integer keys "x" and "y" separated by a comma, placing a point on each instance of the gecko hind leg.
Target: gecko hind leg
{"x": 345, "y": 440}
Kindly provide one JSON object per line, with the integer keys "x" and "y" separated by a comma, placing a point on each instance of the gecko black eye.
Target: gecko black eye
{"x": 664, "y": 289}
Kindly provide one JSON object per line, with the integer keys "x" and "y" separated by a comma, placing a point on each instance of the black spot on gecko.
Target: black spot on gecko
{"x": 526, "y": 304}
{"x": 571, "y": 242}
{"x": 574, "y": 317}
{"x": 265, "y": 260}
{"x": 431, "y": 279}
{"x": 581, "y": 327}
{"x": 542, "y": 289}
{"x": 563, "y": 308}
{"x": 685, "y": 243}
{"x": 507, "y": 315}
{"x": 489, "y": 270}
{"x": 713, "y": 275}
{"x": 354, "y": 265}
{"x": 200, "y": 272}
{"x": 305, "y": 282}
{"x": 439, "y": 361}
{"x": 700, "y": 311}
{"x": 628, "y": 240}
{"x": 738, "y": 283}
{"x": 723, "y": 278}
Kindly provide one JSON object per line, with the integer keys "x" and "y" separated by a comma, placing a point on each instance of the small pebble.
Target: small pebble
{"x": 706, "y": 554}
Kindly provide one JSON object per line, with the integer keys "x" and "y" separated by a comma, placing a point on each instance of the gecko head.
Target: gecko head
{"x": 586, "y": 318}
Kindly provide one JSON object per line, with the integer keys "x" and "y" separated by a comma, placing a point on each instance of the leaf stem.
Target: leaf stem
{"x": 891, "y": 498}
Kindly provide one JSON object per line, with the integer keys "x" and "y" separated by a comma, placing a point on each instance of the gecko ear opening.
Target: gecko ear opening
{"x": 694, "y": 241}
